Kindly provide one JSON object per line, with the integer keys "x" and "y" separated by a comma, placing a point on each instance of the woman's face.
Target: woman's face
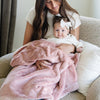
{"x": 53, "y": 6}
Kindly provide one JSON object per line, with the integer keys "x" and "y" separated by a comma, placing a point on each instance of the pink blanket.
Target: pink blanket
{"x": 51, "y": 82}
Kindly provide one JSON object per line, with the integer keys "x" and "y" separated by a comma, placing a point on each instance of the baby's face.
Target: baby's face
{"x": 60, "y": 32}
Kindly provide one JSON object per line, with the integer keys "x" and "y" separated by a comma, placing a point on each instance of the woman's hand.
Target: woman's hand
{"x": 43, "y": 64}
{"x": 79, "y": 49}
{"x": 67, "y": 48}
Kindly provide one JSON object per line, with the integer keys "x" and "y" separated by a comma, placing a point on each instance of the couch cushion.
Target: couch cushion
{"x": 94, "y": 90}
{"x": 74, "y": 96}
{"x": 90, "y": 30}
{"x": 5, "y": 65}
{"x": 1, "y": 81}
{"x": 88, "y": 67}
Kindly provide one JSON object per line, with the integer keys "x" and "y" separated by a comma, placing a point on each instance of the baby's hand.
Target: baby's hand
{"x": 79, "y": 49}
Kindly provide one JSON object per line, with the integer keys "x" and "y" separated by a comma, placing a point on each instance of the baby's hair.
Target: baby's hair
{"x": 57, "y": 19}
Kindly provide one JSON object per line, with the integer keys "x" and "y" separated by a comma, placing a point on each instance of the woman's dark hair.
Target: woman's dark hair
{"x": 40, "y": 23}
{"x": 57, "y": 19}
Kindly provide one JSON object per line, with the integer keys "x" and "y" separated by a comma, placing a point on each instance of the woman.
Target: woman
{"x": 40, "y": 25}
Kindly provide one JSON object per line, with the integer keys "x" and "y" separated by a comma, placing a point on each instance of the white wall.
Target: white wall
{"x": 90, "y": 8}
{"x": 84, "y": 7}
{"x": 23, "y": 6}
{"x": 95, "y": 9}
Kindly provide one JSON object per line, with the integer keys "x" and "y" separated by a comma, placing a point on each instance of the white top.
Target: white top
{"x": 69, "y": 39}
{"x": 75, "y": 22}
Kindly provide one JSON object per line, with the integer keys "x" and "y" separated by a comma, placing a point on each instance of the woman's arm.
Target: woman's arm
{"x": 67, "y": 48}
{"x": 75, "y": 32}
{"x": 28, "y": 33}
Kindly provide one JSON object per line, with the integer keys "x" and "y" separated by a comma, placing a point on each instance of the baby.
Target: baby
{"x": 61, "y": 33}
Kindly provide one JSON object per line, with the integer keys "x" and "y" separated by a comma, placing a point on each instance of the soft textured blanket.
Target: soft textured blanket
{"x": 51, "y": 82}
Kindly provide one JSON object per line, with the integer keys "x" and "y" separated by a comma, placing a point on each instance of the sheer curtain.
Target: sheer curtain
{"x": 7, "y": 25}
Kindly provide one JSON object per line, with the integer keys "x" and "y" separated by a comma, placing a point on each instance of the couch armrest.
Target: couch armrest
{"x": 90, "y": 30}
{"x": 5, "y": 64}
{"x": 94, "y": 90}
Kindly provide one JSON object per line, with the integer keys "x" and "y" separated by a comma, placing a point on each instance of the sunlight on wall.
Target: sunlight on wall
{"x": 82, "y": 6}
{"x": 95, "y": 12}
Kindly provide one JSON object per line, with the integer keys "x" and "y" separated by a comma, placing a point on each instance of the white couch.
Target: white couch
{"x": 89, "y": 31}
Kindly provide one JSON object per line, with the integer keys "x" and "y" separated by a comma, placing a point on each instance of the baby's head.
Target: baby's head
{"x": 60, "y": 27}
